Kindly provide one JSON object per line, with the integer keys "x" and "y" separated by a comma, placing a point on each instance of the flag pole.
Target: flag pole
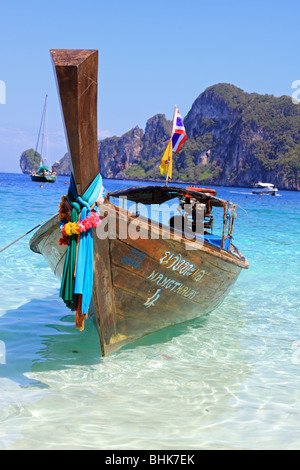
{"x": 170, "y": 151}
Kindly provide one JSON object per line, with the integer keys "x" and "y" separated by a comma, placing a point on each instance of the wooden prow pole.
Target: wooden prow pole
{"x": 76, "y": 73}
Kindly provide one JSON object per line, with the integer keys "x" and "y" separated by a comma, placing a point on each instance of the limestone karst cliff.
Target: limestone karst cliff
{"x": 29, "y": 160}
{"x": 242, "y": 138}
{"x": 234, "y": 139}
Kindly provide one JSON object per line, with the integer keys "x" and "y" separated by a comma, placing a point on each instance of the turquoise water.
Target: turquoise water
{"x": 228, "y": 381}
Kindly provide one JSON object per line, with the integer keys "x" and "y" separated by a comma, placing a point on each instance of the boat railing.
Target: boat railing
{"x": 185, "y": 226}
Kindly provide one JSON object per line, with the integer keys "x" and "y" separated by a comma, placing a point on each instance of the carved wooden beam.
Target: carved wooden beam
{"x": 76, "y": 72}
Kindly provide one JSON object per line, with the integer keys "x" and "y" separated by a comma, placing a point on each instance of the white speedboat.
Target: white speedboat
{"x": 265, "y": 188}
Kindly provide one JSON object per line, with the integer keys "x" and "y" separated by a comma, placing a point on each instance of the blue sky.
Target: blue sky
{"x": 152, "y": 55}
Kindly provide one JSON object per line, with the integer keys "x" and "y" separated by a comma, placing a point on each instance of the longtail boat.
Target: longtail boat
{"x": 133, "y": 273}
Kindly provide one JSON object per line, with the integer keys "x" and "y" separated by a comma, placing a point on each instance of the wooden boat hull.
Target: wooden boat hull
{"x": 267, "y": 192}
{"x": 146, "y": 284}
{"x": 146, "y": 276}
{"x": 43, "y": 179}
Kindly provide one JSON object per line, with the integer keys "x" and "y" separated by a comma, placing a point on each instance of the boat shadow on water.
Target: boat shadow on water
{"x": 40, "y": 336}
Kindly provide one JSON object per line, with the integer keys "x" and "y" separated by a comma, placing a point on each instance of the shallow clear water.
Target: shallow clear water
{"x": 228, "y": 381}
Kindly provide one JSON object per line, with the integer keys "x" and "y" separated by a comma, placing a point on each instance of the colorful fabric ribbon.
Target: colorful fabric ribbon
{"x": 77, "y": 280}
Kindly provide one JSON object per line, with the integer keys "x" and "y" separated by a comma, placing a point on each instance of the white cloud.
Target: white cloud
{"x": 14, "y": 135}
{"x": 11, "y": 130}
{"x": 57, "y": 140}
{"x": 103, "y": 134}
{"x": 9, "y": 135}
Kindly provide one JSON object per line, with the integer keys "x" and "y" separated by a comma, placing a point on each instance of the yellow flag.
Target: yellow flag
{"x": 164, "y": 161}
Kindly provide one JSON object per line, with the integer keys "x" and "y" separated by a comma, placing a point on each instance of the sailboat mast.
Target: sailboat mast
{"x": 170, "y": 148}
{"x": 43, "y": 134}
{"x": 39, "y": 134}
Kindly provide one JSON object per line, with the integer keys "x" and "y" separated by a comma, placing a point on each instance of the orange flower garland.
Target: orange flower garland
{"x": 72, "y": 228}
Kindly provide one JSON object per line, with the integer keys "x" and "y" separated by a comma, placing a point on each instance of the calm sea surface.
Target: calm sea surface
{"x": 228, "y": 381}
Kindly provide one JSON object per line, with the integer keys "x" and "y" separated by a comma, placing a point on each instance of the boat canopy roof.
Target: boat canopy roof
{"x": 42, "y": 168}
{"x": 160, "y": 194}
{"x": 264, "y": 185}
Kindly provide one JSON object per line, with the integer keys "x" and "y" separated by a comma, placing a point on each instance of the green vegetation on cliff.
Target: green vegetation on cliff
{"x": 234, "y": 139}
{"x": 30, "y": 160}
{"x": 274, "y": 124}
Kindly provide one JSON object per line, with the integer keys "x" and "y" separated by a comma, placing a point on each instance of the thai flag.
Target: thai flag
{"x": 179, "y": 135}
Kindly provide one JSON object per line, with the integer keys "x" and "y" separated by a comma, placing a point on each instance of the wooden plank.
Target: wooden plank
{"x": 157, "y": 233}
{"x": 103, "y": 293}
{"x": 76, "y": 73}
{"x": 144, "y": 303}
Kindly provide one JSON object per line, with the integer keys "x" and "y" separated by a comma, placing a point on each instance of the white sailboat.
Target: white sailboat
{"x": 43, "y": 174}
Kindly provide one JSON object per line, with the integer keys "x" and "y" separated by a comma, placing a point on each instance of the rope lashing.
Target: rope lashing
{"x": 78, "y": 215}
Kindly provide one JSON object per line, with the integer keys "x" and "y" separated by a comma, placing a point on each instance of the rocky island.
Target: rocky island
{"x": 234, "y": 139}
{"x": 29, "y": 161}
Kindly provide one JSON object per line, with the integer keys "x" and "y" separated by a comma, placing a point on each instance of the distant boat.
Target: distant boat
{"x": 265, "y": 188}
{"x": 43, "y": 174}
